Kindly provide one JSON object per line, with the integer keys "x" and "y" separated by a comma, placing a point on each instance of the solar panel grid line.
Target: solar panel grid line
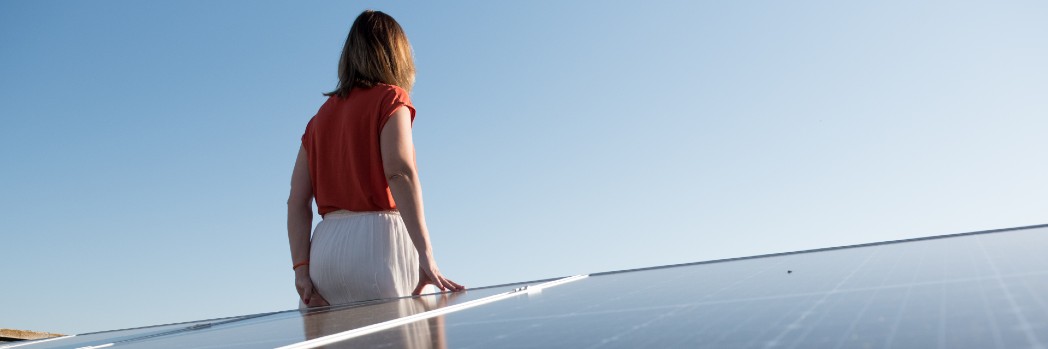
{"x": 905, "y": 305}
{"x": 995, "y": 327}
{"x": 338, "y": 337}
{"x": 674, "y": 310}
{"x": 1027, "y": 329}
{"x": 487, "y": 344}
{"x": 943, "y": 294}
{"x": 866, "y": 305}
{"x": 730, "y": 286}
{"x": 635, "y": 328}
{"x": 724, "y": 336}
{"x": 754, "y": 339}
{"x": 814, "y": 316}
{"x": 802, "y": 307}
{"x": 892, "y": 315}
{"x": 876, "y": 288}
{"x": 821, "y": 302}
{"x": 1036, "y": 296}
{"x": 875, "y": 252}
{"x": 37, "y": 342}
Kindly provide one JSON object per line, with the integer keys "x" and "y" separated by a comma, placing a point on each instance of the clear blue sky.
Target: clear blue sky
{"x": 147, "y": 145}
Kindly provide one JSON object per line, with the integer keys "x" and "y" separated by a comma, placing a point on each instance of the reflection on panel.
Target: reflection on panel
{"x": 296, "y": 326}
{"x": 975, "y": 291}
{"x": 99, "y": 338}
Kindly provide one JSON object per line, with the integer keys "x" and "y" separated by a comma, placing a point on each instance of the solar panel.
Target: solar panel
{"x": 93, "y": 338}
{"x": 294, "y": 326}
{"x": 973, "y": 291}
{"x": 977, "y": 290}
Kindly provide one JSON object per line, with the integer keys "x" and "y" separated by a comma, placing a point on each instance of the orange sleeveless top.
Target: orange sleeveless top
{"x": 345, "y": 158}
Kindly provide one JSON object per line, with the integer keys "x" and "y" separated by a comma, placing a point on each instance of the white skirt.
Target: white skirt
{"x": 359, "y": 256}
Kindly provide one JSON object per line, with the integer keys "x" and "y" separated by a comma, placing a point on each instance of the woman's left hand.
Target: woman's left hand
{"x": 306, "y": 291}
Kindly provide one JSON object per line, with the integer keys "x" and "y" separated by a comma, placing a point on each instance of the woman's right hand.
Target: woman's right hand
{"x": 306, "y": 292}
{"x": 428, "y": 274}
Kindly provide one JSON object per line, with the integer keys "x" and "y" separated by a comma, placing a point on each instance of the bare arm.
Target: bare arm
{"x": 398, "y": 163}
{"x": 299, "y": 222}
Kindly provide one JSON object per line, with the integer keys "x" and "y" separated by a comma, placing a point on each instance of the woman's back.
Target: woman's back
{"x": 345, "y": 159}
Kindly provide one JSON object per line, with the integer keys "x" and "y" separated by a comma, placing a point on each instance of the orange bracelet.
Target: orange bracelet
{"x": 299, "y": 264}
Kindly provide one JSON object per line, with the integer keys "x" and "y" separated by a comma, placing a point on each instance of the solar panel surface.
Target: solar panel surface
{"x": 981, "y": 290}
{"x": 974, "y": 291}
{"x": 95, "y": 338}
{"x": 295, "y": 326}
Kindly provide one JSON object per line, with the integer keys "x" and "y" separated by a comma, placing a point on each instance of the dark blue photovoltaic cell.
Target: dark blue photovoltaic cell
{"x": 974, "y": 291}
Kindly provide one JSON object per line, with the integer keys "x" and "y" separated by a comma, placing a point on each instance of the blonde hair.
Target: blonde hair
{"x": 376, "y": 51}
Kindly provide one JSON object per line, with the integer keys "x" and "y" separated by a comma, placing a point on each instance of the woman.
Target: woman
{"x": 358, "y": 160}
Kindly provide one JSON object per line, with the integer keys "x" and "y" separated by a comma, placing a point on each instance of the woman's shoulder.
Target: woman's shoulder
{"x": 387, "y": 89}
{"x": 379, "y": 94}
{"x": 386, "y": 94}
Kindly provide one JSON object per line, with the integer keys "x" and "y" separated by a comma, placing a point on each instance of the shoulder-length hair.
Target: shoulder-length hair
{"x": 376, "y": 51}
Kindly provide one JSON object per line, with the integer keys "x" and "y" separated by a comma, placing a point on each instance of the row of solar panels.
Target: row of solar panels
{"x": 972, "y": 290}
